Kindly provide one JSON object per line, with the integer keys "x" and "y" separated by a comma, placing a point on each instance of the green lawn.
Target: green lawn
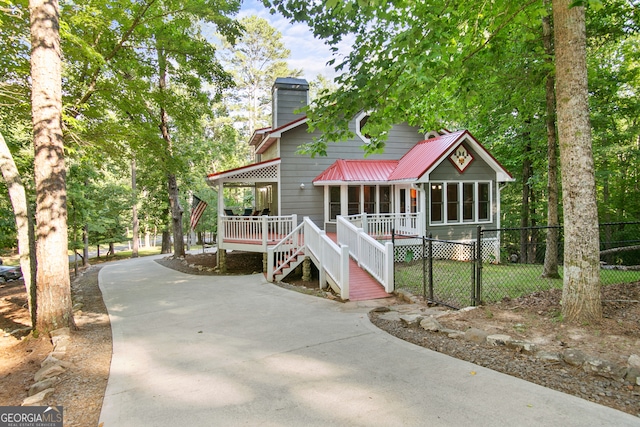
{"x": 452, "y": 280}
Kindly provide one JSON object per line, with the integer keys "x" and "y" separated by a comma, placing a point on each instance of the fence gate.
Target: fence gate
{"x": 443, "y": 271}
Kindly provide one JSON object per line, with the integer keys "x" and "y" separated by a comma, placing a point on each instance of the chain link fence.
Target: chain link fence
{"x": 514, "y": 262}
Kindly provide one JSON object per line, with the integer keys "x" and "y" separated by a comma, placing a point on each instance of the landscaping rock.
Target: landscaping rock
{"x": 604, "y": 368}
{"x": 430, "y": 324}
{"x": 43, "y": 385}
{"x": 411, "y": 320}
{"x": 48, "y": 372}
{"x": 522, "y": 346}
{"x": 476, "y": 335}
{"x": 36, "y": 399}
{"x": 498, "y": 339}
{"x": 634, "y": 361}
{"x": 574, "y": 357}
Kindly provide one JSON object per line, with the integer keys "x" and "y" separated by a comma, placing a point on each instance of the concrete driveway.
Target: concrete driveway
{"x": 236, "y": 350}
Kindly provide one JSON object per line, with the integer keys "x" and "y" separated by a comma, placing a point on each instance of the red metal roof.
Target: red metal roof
{"x": 424, "y": 155}
{"x": 358, "y": 171}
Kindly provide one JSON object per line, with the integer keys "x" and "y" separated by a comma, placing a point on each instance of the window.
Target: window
{"x": 353, "y": 201}
{"x": 484, "y": 202}
{"x": 361, "y": 121}
{"x": 385, "y": 199}
{"x": 370, "y": 199}
{"x": 468, "y": 207}
{"x": 452, "y": 203}
{"x": 334, "y": 202}
{"x": 414, "y": 200}
{"x": 456, "y": 202}
{"x": 436, "y": 203}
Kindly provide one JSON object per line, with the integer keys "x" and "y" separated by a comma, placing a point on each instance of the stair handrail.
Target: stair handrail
{"x": 284, "y": 251}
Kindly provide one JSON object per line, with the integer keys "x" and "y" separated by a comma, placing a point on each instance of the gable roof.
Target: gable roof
{"x": 421, "y": 160}
{"x": 265, "y": 137}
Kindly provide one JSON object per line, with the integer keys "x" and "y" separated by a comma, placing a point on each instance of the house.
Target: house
{"x": 443, "y": 183}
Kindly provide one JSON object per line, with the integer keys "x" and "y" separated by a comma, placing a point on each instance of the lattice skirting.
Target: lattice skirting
{"x": 409, "y": 250}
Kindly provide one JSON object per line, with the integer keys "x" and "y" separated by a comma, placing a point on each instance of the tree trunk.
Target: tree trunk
{"x": 172, "y": 183}
{"x": 581, "y": 290}
{"x": 550, "y": 268}
{"x": 527, "y": 172}
{"x": 134, "y": 210}
{"x": 54, "y": 309}
{"x": 85, "y": 245}
{"x": 166, "y": 242}
{"x": 24, "y": 224}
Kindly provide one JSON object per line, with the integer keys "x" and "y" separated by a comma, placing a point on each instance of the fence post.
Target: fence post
{"x": 424, "y": 267}
{"x": 430, "y": 260}
{"x": 478, "y": 279}
{"x": 321, "y": 258}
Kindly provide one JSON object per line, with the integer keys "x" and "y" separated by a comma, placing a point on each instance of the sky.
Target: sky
{"x": 307, "y": 53}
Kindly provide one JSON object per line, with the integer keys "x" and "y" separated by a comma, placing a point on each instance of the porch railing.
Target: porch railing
{"x": 381, "y": 226}
{"x": 331, "y": 259}
{"x": 373, "y": 256}
{"x": 256, "y": 230}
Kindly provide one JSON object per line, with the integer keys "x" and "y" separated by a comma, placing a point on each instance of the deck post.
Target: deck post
{"x": 222, "y": 260}
{"x": 265, "y": 232}
{"x": 344, "y": 272}
{"x": 269, "y": 266}
{"x": 389, "y": 268}
{"x": 306, "y": 269}
{"x": 321, "y": 257}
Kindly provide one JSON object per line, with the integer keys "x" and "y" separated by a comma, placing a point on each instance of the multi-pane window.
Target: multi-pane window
{"x": 353, "y": 200}
{"x": 370, "y": 199}
{"x": 436, "y": 203}
{"x": 334, "y": 202}
{"x": 468, "y": 206}
{"x": 455, "y": 202}
{"x": 484, "y": 202}
{"x": 385, "y": 199}
{"x": 452, "y": 203}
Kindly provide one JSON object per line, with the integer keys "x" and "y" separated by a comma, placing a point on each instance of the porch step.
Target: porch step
{"x": 284, "y": 270}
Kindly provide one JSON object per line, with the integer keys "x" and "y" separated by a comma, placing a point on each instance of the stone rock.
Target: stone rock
{"x": 43, "y": 385}
{"x": 60, "y": 332}
{"x": 391, "y": 315}
{"x": 574, "y": 357}
{"x": 604, "y": 368}
{"x": 632, "y": 375}
{"x": 546, "y": 356}
{"x": 634, "y": 361}
{"x": 48, "y": 372}
{"x": 410, "y": 320}
{"x": 381, "y": 309}
{"x": 37, "y": 399}
{"x": 476, "y": 335}
{"x": 52, "y": 360}
{"x": 522, "y": 346}
{"x": 454, "y": 334}
{"x": 498, "y": 339}
{"x": 60, "y": 340}
{"x": 430, "y": 324}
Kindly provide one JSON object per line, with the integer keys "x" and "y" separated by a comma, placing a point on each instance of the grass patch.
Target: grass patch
{"x": 453, "y": 280}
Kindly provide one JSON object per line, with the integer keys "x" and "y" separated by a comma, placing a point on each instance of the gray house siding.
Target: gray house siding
{"x": 478, "y": 170}
{"x": 296, "y": 169}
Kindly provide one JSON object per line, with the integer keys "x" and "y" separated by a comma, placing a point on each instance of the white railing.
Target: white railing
{"x": 382, "y": 225}
{"x": 285, "y": 252}
{"x": 255, "y": 230}
{"x": 373, "y": 256}
{"x": 331, "y": 259}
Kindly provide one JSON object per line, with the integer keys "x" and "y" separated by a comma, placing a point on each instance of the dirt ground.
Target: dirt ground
{"x": 535, "y": 318}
